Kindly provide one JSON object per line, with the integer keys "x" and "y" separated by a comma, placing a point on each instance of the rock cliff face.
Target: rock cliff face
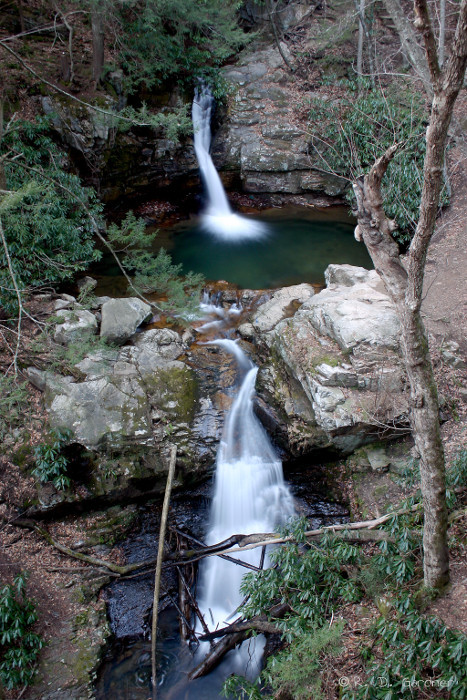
{"x": 139, "y": 161}
{"x": 332, "y": 376}
{"x": 262, "y": 136}
{"x": 261, "y": 141}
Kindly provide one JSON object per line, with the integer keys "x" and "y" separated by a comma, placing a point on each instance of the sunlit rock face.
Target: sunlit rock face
{"x": 332, "y": 376}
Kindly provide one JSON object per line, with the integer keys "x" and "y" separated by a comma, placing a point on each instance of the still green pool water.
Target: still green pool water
{"x": 299, "y": 245}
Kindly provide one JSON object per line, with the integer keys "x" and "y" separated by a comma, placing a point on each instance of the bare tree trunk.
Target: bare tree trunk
{"x": 404, "y": 284}
{"x": 442, "y": 31}
{"x": 409, "y": 43}
{"x": 67, "y": 69}
{"x": 97, "y": 26}
{"x": 21, "y": 16}
{"x": 364, "y": 32}
{"x": 2, "y": 166}
{"x": 361, "y": 14}
{"x": 277, "y": 38}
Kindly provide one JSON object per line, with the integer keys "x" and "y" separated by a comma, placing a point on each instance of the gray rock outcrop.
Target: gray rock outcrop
{"x": 121, "y": 396}
{"x": 262, "y": 137}
{"x": 74, "y": 325}
{"x": 284, "y": 302}
{"x": 332, "y": 376}
{"x": 127, "y": 406}
{"x": 121, "y": 318}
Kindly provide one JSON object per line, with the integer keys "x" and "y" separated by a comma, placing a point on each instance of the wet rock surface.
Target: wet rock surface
{"x": 129, "y": 601}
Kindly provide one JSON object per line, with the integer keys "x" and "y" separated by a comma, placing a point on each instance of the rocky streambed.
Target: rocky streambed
{"x": 330, "y": 380}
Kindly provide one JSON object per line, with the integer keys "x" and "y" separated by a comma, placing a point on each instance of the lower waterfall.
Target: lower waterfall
{"x": 249, "y": 496}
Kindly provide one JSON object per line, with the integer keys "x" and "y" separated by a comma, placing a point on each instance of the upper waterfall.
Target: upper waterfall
{"x": 218, "y": 218}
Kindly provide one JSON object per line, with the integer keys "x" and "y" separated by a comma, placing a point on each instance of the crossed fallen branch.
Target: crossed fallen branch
{"x": 363, "y": 531}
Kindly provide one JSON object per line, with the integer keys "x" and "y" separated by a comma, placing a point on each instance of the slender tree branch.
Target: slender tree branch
{"x": 18, "y": 296}
{"x": 157, "y": 577}
{"x": 423, "y": 24}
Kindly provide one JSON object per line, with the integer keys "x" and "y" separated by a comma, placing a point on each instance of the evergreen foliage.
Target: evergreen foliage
{"x": 409, "y": 653}
{"x": 348, "y": 136}
{"x": 19, "y": 645}
{"x": 155, "y": 273}
{"x": 178, "y": 40}
{"x": 51, "y": 464}
{"x": 404, "y": 651}
{"x": 294, "y": 671}
{"x": 49, "y": 237}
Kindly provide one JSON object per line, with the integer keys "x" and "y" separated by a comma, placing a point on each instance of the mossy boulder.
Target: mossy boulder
{"x": 127, "y": 407}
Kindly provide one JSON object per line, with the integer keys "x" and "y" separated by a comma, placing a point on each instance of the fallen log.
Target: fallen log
{"x": 244, "y": 542}
{"x": 217, "y": 653}
{"x": 261, "y": 623}
{"x": 264, "y": 539}
{"x": 231, "y": 639}
{"x": 263, "y": 626}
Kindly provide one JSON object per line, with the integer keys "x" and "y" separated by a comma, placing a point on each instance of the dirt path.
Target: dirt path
{"x": 445, "y": 302}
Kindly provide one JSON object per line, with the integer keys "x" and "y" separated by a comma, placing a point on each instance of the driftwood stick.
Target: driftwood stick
{"x": 202, "y": 555}
{"x": 260, "y": 623}
{"x": 184, "y": 606}
{"x": 263, "y": 626}
{"x": 157, "y": 577}
{"x": 230, "y": 540}
{"x": 190, "y": 630}
{"x": 231, "y": 640}
{"x": 193, "y": 602}
{"x": 263, "y": 556}
{"x": 217, "y": 653}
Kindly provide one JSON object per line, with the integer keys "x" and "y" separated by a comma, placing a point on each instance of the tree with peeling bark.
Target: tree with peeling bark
{"x": 404, "y": 279}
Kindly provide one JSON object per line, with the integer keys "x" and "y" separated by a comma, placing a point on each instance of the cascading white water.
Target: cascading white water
{"x": 218, "y": 219}
{"x": 249, "y": 496}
